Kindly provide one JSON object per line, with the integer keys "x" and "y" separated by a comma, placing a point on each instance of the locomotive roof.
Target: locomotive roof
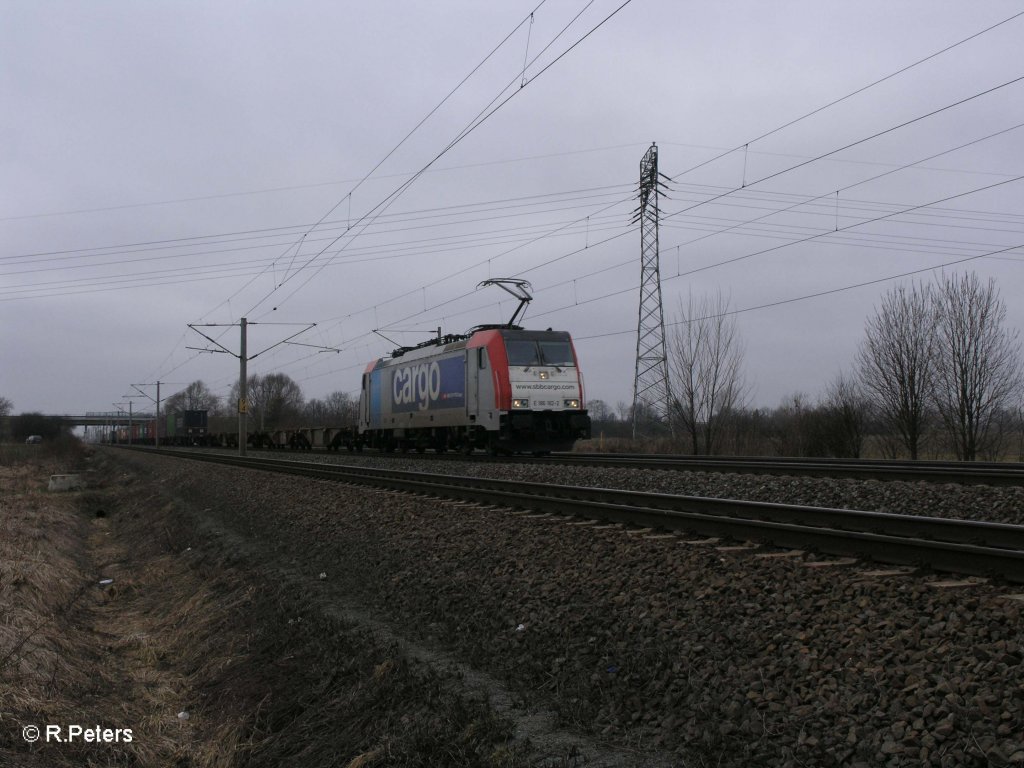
{"x": 544, "y": 335}
{"x": 432, "y": 348}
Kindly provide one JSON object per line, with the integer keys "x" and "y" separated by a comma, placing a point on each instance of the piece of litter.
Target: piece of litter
{"x": 104, "y": 582}
{"x": 520, "y": 628}
{"x": 65, "y": 483}
{"x": 183, "y": 715}
{"x": 323, "y": 575}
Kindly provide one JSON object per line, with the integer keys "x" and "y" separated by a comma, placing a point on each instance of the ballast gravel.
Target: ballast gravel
{"x": 974, "y": 502}
{"x": 719, "y": 656}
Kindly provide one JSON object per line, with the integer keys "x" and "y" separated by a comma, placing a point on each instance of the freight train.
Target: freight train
{"x": 182, "y": 428}
{"x": 498, "y": 388}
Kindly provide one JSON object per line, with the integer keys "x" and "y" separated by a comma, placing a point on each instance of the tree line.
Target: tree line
{"x": 19, "y": 427}
{"x": 274, "y": 401}
{"x": 937, "y": 373}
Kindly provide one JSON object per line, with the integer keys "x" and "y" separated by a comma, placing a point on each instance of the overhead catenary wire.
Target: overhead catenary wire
{"x": 829, "y": 232}
{"x": 777, "y": 173}
{"x": 906, "y": 68}
{"x": 175, "y": 253}
{"x": 877, "y": 134}
{"x": 466, "y": 132}
{"x": 479, "y": 120}
{"x": 406, "y": 137}
{"x": 855, "y": 92}
{"x": 828, "y": 292}
{"x": 813, "y": 236}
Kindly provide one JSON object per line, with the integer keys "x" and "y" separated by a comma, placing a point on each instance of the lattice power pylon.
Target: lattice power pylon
{"x": 651, "y": 393}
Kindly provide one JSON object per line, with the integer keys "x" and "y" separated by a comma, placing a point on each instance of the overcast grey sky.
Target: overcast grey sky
{"x": 174, "y": 162}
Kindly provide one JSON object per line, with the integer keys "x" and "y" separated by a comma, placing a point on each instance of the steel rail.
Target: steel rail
{"x": 957, "y": 472}
{"x": 962, "y": 473}
{"x": 944, "y": 544}
{"x": 927, "y": 471}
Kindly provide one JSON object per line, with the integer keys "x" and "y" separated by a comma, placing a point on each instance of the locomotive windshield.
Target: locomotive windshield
{"x": 528, "y": 352}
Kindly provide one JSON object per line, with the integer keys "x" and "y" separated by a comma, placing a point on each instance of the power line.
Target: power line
{"x": 179, "y": 254}
{"x": 387, "y": 201}
{"x": 472, "y": 126}
{"x": 819, "y": 234}
{"x": 876, "y": 178}
{"x": 829, "y": 292}
{"x": 854, "y": 93}
{"x": 813, "y": 237}
{"x": 904, "y": 69}
{"x": 314, "y": 185}
{"x": 420, "y": 123}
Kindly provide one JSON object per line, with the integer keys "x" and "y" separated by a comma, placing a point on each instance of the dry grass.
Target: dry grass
{"x": 61, "y": 653}
{"x": 189, "y": 626}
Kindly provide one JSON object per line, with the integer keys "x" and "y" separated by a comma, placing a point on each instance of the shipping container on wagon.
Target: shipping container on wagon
{"x": 186, "y": 427}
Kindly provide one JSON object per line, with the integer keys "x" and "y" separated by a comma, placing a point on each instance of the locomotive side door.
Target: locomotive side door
{"x": 480, "y": 389}
{"x": 472, "y": 382}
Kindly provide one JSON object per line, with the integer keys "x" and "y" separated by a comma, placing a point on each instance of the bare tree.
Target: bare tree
{"x": 1018, "y": 428}
{"x": 6, "y": 406}
{"x": 195, "y": 397}
{"x": 845, "y": 411}
{"x": 624, "y": 410}
{"x": 599, "y": 410}
{"x": 979, "y": 371}
{"x": 338, "y": 409}
{"x": 896, "y": 361}
{"x": 274, "y": 399}
{"x": 789, "y": 426}
{"x": 705, "y": 361}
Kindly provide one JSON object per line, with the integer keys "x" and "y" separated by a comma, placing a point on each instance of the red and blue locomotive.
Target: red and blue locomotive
{"x": 499, "y": 388}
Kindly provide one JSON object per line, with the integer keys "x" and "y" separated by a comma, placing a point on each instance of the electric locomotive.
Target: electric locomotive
{"x": 498, "y": 388}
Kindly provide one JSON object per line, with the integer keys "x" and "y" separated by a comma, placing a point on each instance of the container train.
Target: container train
{"x": 181, "y": 428}
{"x": 499, "y": 388}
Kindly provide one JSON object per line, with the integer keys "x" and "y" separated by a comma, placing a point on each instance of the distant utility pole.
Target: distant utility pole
{"x": 651, "y": 394}
{"x": 129, "y": 398}
{"x": 156, "y": 437}
{"x": 243, "y": 359}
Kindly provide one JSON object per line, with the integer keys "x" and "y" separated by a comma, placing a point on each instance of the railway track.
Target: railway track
{"x": 958, "y": 546}
{"x": 1005, "y": 474}
{"x": 960, "y": 473}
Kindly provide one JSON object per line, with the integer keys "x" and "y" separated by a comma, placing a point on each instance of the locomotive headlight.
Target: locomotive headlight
{"x": 543, "y": 374}
{"x": 523, "y": 403}
{"x": 572, "y": 403}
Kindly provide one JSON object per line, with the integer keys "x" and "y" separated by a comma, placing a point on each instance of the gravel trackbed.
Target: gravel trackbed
{"x": 648, "y": 643}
